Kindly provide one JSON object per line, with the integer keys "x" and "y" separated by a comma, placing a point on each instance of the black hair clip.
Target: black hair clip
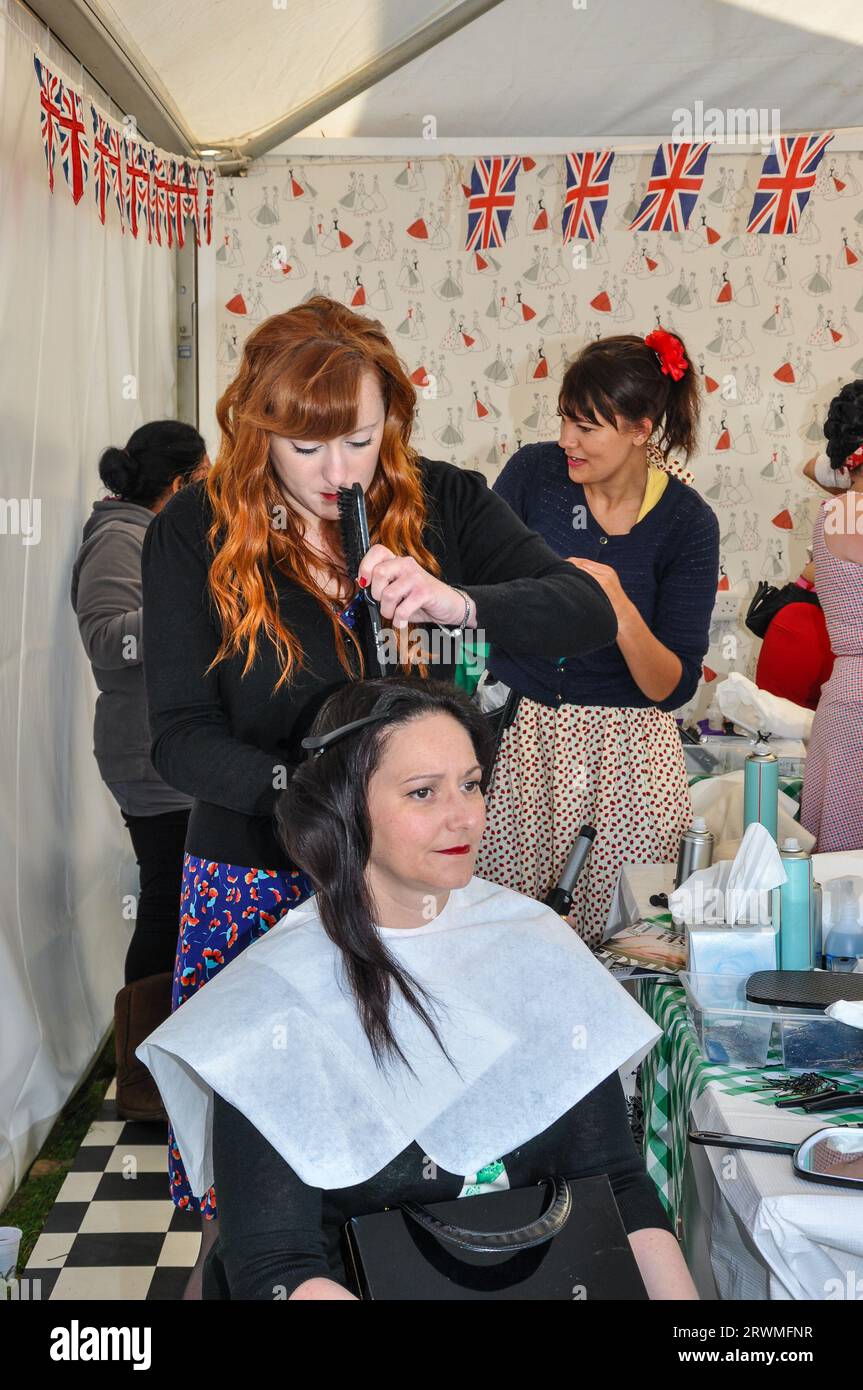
{"x": 318, "y": 744}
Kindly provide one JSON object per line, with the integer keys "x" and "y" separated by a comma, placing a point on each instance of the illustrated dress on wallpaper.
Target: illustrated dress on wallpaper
{"x": 450, "y": 287}
{"x": 549, "y": 322}
{"x": 451, "y": 435}
{"x": 513, "y": 315}
{"x": 783, "y": 519}
{"x": 785, "y": 371}
{"x": 746, "y": 443}
{"x": 818, "y": 282}
{"x": 366, "y": 250}
{"x": 386, "y": 250}
{"x": 464, "y": 341}
{"x": 409, "y": 277}
{"x": 419, "y": 227}
{"x": 342, "y": 239}
{"x": 226, "y": 202}
{"x": 237, "y": 303}
{"x": 266, "y": 214}
{"x": 777, "y": 272}
{"x": 702, "y": 234}
{"x": 747, "y": 295}
{"x": 715, "y": 492}
{"x": 324, "y": 242}
{"x": 496, "y": 371}
{"x": 725, "y": 293}
{"x": 380, "y": 298}
{"x": 294, "y": 189}
{"x": 848, "y": 259}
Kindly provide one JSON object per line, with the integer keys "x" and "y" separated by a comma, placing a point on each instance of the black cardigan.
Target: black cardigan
{"x": 223, "y": 739}
{"x": 276, "y": 1231}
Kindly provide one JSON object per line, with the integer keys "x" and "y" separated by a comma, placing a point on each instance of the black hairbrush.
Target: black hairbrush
{"x": 354, "y": 526}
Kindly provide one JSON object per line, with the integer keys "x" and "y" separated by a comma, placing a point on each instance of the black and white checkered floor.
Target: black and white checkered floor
{"x": 113, "y": 1232}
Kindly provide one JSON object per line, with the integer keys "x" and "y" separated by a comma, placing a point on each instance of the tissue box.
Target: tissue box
{"x": 717, "y": 949}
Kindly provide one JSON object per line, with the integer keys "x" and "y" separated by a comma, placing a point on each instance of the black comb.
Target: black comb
{"x": 354, "y": 527}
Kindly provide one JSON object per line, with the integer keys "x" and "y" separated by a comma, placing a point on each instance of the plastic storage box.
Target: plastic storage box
{"x": 735, "y": 1031}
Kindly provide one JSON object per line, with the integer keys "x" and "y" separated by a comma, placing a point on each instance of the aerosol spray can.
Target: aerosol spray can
{"x": 696, "y": 850}
{"x": 761, "y": 789}
{"x": 796, "y": 907}
{"x": 560, "y": 897}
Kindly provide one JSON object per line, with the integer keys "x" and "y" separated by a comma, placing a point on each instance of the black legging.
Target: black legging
{"x": 158, "y": 843}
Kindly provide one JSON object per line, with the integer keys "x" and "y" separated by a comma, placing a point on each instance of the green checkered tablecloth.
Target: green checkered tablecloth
{"x": 674, "y": 1074}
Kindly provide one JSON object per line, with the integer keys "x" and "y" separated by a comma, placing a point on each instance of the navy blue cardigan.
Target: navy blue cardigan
{"x": 668, "y": 564}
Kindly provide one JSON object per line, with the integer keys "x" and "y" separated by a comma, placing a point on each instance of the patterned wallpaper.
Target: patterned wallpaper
{"x": 772, "y": 323}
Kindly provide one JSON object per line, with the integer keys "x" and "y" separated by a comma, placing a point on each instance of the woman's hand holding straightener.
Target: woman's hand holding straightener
{"x": 407, "y": 594}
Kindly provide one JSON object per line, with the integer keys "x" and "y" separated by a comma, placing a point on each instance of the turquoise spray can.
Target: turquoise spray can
{"x": 761, "y": 789}
{"x": 796, "y": 908}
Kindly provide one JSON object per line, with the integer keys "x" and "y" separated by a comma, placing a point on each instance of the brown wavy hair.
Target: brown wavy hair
{"x": 300, "y": 376}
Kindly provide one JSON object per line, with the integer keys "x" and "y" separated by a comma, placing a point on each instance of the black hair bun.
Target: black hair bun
{"x": 843, "y": 428}
{"x": 119, "y": 472}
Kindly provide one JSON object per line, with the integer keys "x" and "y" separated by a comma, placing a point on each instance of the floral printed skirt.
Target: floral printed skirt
{"x": 223, "y": 909}
{"x": 619, "y": 770}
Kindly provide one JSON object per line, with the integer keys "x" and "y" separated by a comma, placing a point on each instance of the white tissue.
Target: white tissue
{"x": 848, "y": 1011}
{"x": 757, "y": 711}
{"x": 756, "y": 868}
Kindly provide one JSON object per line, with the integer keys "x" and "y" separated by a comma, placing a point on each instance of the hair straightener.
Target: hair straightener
{"x": 354, "y": 527}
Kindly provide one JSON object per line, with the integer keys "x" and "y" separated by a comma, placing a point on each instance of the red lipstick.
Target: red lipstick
{"x": 456, "y": 849}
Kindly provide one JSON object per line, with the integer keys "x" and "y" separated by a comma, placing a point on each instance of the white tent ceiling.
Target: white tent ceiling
{"x": 232, "y": 70}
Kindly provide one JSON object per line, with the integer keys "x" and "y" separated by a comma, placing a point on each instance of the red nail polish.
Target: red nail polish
{"x": 363, "y": 583}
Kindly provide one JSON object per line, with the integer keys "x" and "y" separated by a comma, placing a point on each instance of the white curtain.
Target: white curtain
{"x": 84, "y": 309}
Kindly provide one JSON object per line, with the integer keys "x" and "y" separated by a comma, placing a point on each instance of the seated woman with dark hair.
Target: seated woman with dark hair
{"x": 407, "y": 1033}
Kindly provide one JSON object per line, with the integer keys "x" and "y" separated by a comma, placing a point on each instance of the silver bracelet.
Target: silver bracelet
{"x": 456, "y": 631}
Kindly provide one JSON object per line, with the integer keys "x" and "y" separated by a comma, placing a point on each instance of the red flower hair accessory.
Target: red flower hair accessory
{"x": 854, "y": 460}
{"x": 669, "y": 351}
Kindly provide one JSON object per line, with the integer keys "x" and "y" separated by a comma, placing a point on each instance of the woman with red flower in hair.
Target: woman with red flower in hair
{"x": 594, "y": 739}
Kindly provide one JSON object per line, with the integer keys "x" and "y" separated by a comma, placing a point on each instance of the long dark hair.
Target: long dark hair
{"x": 322, "y": 820}
{"x": 843, "y": 428}
{"x": 622, "y": 376}
{"x": 154, "y": 456}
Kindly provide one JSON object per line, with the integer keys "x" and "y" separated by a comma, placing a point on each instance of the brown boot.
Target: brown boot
{"x": 138, "y": 1009}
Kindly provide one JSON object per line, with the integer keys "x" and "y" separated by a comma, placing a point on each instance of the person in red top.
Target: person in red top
{"x": 796, "y": 657}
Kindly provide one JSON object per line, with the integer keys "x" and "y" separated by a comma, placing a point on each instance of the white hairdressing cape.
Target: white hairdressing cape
{"x": 531, "y": 1019}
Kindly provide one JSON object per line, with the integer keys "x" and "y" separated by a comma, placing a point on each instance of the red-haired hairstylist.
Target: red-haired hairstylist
{"x": 594, "y": 739}
{"x": 252, "y": 618}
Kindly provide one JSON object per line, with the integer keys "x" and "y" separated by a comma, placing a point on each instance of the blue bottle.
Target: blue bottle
{"x": 761, "y": 789}
{"x": 796, "y": 908}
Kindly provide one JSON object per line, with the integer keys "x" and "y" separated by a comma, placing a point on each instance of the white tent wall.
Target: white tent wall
{"x": 490, "y": 391}
{"x": 84, "y": 309}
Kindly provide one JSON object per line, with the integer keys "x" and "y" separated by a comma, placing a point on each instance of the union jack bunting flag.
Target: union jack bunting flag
{"x": 137, "y": 173}
{"x": 62, "y": 121}
{"x": 587, "y": 176}
{"x": 187, "y": 178}
{"x": 107, "y": 172}
{"x": 209, "y": 190}
{"x": 159, "y": 197}
{"x": 173, "y": 202}
{"x": 785, "y": 183}
{"x": 672, "y": 189}
{"x": 49, "y": 110}
{"x": 490, "y": 201}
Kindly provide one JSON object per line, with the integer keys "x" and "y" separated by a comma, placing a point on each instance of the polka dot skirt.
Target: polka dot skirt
{"x": 620, "y": 770}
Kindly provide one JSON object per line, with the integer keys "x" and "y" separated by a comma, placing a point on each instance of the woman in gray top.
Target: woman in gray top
{"x": 159, "y": 458}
